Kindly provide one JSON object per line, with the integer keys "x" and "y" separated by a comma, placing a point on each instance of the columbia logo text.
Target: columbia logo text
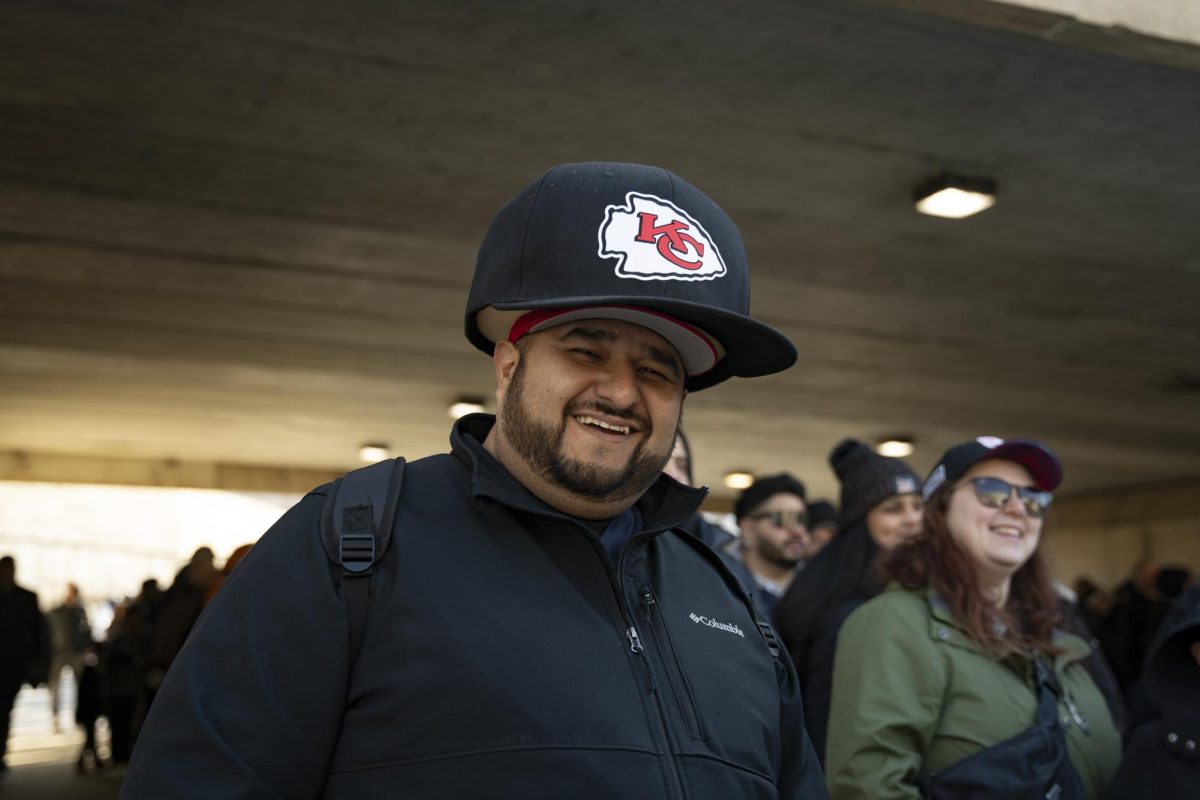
{"x": 712, "y": 623}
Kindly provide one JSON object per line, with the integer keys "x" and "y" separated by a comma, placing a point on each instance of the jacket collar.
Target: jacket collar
{"x": 666, "y": 504}
{"x": 943, "y": 626}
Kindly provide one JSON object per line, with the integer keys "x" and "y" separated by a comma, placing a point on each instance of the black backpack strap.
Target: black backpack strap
{"x": 768, "y": 633}
{"x": 356, "y": 529}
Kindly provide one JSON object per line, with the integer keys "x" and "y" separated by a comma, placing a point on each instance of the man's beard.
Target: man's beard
{"x": 540, "y": 444}
{"x": 775, "y": 555}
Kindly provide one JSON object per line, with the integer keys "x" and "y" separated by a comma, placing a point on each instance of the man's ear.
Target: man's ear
{"x": 747, "y": 535}
{"x": 505, "y": 358}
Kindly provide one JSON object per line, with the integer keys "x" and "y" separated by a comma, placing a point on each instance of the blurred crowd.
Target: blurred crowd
{"x": 116, "y": 671}
{"x": 883, "y": 709}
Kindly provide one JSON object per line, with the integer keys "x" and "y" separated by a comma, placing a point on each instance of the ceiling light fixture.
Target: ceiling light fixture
{"x": 466, "y": 405}
{"x": 895, "y": 447}
{"x": 374, "y": 451}
{"x": 739, "y": 479}
{"x": 955, "y": 196}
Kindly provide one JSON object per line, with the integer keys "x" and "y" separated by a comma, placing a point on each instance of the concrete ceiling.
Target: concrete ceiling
{"x": 243, "y": 231}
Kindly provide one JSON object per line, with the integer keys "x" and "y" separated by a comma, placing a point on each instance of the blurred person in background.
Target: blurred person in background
{"x": 90, "y": 704}
{"x": 1095, "y": 607}
{"x": 957, "y": 681}
{"x": 822, "y": 526}
{"x": 1134, "y": 615}
{"x": 881, "y": 507}
{"x": 679, "y": 467}
{"x": 126, "y": 656}
{"x": 24, "y": 645}
{"x": 220, "y": 577}
{"x": 70, "y": 639}
{"x": 180, "y": 608}
{"x": 1162, "y": 758}
{"x": 772, "y": 516}
{"x": 149, "y": 600}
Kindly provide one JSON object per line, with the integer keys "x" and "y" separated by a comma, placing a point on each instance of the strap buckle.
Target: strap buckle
{"x": 356, "y": 551}
{"x": 769, "y": 634}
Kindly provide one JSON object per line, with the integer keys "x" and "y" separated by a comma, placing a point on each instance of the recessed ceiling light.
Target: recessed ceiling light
{"x": 374, "y": 451}
{"x": 466, "y": 405}
{"x": 955, "y": 197}
{"x": 896, "y": 447}
{"x": 739, "y": 479}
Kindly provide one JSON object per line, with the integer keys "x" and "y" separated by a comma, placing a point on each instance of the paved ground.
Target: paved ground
{"x": 42, "y": 759}
{"x": 57, "y": 782}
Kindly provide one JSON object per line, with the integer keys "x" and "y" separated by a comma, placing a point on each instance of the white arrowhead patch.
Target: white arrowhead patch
{"x": 653, "y": 239}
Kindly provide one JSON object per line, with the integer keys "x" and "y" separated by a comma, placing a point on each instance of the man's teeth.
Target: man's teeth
{"x": 599, "y": 423}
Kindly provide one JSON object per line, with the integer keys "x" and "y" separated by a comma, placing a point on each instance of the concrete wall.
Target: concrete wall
{"x": 1102, "y": 535}
{"x": 1178, "y": 20}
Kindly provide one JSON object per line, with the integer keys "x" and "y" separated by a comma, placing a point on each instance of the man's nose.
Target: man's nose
{"x": 618, "y": 383}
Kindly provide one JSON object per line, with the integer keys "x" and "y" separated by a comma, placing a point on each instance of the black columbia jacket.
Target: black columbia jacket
{"x": 504, "y": 656}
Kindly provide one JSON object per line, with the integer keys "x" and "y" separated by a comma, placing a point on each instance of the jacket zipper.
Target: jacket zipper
{"x": 663, "y": 734}
{"x": 680, "y": 687}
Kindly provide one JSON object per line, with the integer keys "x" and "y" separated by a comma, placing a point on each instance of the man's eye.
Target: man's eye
{"x": 655, "y": 374}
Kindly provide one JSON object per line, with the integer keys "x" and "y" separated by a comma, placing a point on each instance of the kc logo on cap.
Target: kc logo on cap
{"x": 653, "y": 239}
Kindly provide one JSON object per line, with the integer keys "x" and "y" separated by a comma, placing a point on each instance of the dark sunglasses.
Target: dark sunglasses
{"x": 994, "y": 493}
{"x": 784, "y": 519}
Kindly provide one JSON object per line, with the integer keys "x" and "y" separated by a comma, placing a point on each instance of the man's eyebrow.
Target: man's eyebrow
{"x": 591, "y": 334}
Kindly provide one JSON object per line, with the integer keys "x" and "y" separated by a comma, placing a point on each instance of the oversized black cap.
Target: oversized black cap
{"x": 625, "y": 237}
{"x": 1043, "y": 465}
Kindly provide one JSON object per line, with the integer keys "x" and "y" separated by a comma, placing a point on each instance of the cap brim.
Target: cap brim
{"x": 751, "y": 349}
{"x": 1041, "y": 462}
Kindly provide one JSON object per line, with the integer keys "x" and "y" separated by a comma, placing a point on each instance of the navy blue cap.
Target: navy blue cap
{"x": 619, "y": 238}
{"x": 1043, "y": 465}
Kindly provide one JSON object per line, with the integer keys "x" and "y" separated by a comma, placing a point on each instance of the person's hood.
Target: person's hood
{"x": 1172, "y": 675}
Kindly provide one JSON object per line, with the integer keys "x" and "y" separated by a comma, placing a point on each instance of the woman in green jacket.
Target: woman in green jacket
{"x": 941, "y": 665}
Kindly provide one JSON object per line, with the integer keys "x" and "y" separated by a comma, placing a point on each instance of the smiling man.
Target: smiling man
{"x": 541, "y": 625}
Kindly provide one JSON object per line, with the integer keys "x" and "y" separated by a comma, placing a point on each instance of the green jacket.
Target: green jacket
{"x": 914, "y": 694}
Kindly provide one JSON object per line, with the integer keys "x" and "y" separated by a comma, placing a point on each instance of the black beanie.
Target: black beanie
{"x": 763, "y": 490}
{"x": 868, "y": 478}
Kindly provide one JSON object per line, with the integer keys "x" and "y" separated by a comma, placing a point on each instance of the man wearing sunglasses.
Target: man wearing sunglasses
{"x": 773, "y": 517}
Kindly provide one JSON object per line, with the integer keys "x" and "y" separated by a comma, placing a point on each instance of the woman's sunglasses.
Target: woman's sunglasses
{"x": 994, "y": 493}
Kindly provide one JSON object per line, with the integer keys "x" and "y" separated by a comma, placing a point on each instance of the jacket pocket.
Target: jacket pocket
{"x": 681, "y": 689}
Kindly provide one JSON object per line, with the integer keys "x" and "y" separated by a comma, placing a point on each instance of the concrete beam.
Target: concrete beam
{"x": 1166, "y": 32}
{"x": 17, "y": 465}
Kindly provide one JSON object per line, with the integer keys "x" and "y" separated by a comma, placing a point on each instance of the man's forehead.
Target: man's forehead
{"x": 613, "y": 330}
{"x": 782, "y": 501}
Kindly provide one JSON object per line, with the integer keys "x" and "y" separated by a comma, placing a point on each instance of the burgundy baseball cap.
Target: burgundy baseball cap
{"x": 1040, "y": 460}
{"x": 628, "y": 242}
